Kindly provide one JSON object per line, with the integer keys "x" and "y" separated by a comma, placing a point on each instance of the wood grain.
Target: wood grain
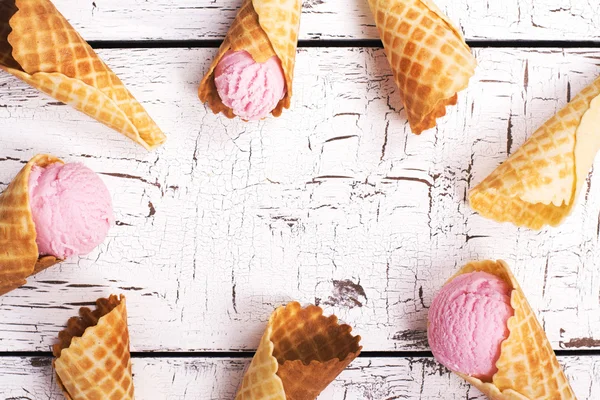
{"x": 334, "y": 203}
{"x": 218, "y": 378}
{"x": 330, "y": 19}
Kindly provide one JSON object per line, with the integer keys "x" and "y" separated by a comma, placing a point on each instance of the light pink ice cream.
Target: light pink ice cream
{"x": 467, "y": 323}
{"x": 250, "y": 89}
{"x": 71, "y": 207}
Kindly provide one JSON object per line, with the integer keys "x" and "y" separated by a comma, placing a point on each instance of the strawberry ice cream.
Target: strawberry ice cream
{"x": 468, "y": 323}
{"x": 71, "y": 208}
{"x": 251, "y": 89}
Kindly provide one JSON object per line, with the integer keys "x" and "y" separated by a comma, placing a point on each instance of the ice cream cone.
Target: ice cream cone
{"x": 92, "y": 356}
{"x": 527, "y": 367}
{"x": 428, "y": 55}
{"x": 263, "y": 28}
{"x": 19, "y": 257}
{"x": 300, "y": 353}
{"x": 540, "y": 183}
{"x": 39, "y": 46}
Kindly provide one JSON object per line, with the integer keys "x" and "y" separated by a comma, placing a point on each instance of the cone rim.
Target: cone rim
{"x": 333, "y": 320}
{"x": 57, "y": 348}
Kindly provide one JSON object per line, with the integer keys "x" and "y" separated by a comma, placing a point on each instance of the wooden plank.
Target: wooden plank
{"x": 218, "y": 378}
{"x": 331, "y": 19}
{"x": 335, "y": 203}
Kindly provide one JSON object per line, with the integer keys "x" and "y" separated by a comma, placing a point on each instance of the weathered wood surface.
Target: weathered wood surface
{"x": 335, "y": 203}
{"x": 218, "y": 378}
{"x": 330, "y": 19}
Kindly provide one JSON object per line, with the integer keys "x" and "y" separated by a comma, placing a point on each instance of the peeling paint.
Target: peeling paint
{"x": 346, "y": 294}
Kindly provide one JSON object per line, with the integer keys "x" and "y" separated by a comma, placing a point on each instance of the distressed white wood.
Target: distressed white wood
{"x": 218, "y": 378}
{"x": 335, "y": 202}
{"x": 330, "y": 19}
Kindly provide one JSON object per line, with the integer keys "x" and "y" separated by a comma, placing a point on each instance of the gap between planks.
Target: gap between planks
{"x": 343, "y": 43}
{"x": 250, "y": 354}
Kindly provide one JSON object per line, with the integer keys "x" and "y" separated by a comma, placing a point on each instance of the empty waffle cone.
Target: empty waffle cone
{"x": 527, "y": 367}
{"x": 300, "y": 354}
{"x": 540, "y": 183}
{"x": 39, "y": 46}
{"x": 263, "y": 28}
{"x": 92, "y": 355}
{"x": 19, "y": 256}
{"x": 428, "y": 55}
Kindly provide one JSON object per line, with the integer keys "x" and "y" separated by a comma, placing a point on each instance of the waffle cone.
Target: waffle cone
{"x": 527, "y": 367}
{"x": 300, "y": 354}
{"x": 19, "y": 257}
{"x": 428, "y": 55}
{"x": 540, "y": 183}
{"x": 92, "y": 355}
{"x": 40, "y": 47}
{"x": 263, "y": 28}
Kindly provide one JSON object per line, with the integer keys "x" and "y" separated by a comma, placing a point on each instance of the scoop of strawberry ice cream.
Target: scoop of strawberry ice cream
{"x": 71, "y": 208}
{"x": 251, "y": 89}
{"x": 468, "y": 323}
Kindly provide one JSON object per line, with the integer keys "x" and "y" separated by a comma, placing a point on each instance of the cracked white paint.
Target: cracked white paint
{"x": 230, "y": 219}
{"x": 330, "y": 19}
{"x": 218, "y": 378}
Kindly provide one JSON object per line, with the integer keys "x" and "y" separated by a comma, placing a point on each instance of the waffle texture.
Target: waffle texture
{"x": 92, "y": 355}
{"x": 19, "y": 257}
{"x": 540, "y": 183}
{"x": 263, "y": 28}
{"x": 40, "y": 47}
{"x": 300, "y": 354}
{"x": 428, "y": 55}
{"x": 527, "y": 367}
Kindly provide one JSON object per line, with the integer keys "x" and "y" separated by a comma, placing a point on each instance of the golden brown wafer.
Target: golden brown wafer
{"x": 92, "y": 355}
{"x": 428, "y": 55}
{"x": 39, "y": 46}
{"x": 300, "y": 354}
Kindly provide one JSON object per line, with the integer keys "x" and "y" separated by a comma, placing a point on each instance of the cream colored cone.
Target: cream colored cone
{"x": 527, "y": 367}
{"x": 92, "y": 356}
{"x": 264, "y": 28}
{"x": 428, "y": 55}
{"x": 300, "y": 354}
{"x": 45, "y": 51}
{"x": 19, "y": 257}
{"x": 540, "y": 183}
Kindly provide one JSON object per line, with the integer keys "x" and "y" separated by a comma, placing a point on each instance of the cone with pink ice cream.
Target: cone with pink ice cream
{"x": 252, "y": 74}
{"x": 482, "y": 328}
{"x": 49, "y": 212}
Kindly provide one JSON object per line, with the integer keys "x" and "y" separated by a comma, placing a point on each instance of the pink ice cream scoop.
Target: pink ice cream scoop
{"x": 468, "y": 323}
{"x": 71, "y": 207}
{"x": 251, "y": 89}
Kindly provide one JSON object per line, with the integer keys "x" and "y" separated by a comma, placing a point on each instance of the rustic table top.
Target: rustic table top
{"x": 334, "y": 203}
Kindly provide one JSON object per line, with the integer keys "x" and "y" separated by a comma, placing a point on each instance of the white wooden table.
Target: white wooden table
{"x": 336, "y": 202}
